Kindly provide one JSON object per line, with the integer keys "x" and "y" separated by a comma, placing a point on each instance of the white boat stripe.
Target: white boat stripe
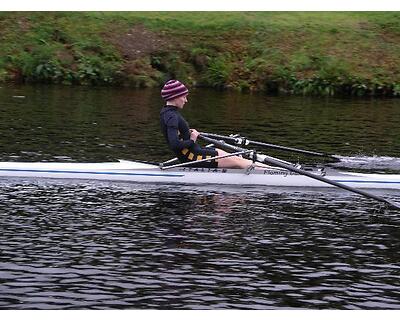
{"x": 96, "y": 172}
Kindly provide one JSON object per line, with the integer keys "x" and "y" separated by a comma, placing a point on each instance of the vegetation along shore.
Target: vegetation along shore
{"x": 309, "y": 53}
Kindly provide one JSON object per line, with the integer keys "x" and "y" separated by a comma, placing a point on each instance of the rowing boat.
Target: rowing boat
{"x": 142, "y": 172}
{"x": 265, "y": 171}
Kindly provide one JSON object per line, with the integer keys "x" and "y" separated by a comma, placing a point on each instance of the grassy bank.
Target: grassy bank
{"x": 295, "y": 53}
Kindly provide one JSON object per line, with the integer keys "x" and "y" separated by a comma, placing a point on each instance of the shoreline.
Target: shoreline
{"x": 279, "y": 53}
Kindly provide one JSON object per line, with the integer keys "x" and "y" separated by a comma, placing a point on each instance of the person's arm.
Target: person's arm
{"x": 194, "y": 134}
{"x": 173, "y": 138}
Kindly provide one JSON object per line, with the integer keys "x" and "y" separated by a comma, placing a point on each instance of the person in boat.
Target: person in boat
{"x": 182, "y": 140}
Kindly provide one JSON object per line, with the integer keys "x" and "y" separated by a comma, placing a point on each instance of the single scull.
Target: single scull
{"x": 141, "y": 172}
{"x": 277, "y": 172}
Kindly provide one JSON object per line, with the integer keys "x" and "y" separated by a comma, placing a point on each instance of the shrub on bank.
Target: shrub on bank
{"x": 287, "y": 53}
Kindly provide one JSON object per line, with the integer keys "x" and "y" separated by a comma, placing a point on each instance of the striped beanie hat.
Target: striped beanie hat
{"x": 173, "y": 89}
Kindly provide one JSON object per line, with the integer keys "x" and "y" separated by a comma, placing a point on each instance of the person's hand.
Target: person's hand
{"x": 194, "y": 134}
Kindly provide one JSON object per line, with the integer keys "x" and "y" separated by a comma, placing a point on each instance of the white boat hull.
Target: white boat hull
{"x": 137, "y": 172}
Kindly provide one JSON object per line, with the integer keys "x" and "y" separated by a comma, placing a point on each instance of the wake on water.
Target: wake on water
{"x": 368, "y": 163}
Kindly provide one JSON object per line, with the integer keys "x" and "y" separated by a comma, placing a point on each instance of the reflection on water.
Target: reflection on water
{"x": 98, "y": 245}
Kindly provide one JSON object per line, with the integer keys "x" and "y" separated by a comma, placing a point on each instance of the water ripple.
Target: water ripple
{"x": 98, "y": 245}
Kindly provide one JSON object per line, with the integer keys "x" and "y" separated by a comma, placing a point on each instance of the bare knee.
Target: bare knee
{"x": 233, "y": 162}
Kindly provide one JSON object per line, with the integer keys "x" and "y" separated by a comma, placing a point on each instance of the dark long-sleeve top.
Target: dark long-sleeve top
{"x": 175, "y": 129}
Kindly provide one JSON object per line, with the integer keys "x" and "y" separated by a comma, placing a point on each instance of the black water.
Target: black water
{"x": 100, "y": 245}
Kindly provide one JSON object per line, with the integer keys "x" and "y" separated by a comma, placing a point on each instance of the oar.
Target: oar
{"x": 244, "y": 142}
{"x": 271, "y": 161}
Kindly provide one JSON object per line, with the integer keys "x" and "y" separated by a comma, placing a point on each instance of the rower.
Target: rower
{"x": 182, "y": 140}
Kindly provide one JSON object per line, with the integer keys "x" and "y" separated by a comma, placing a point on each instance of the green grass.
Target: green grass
{"x": 321, "y": 53}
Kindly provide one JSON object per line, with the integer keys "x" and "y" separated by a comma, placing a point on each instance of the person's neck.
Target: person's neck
{"x": 169, "y": 104}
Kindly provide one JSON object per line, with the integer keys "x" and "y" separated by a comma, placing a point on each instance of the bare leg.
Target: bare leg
{"x": 235, "y": 162}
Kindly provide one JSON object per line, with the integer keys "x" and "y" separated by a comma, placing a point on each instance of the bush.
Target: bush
{"x": 173, "y": 66}
{"x": 38, "y": 64}
{"x": 94, "y": 70}
{"x": 218, "y": 72}
{"x": 200, "y": 58}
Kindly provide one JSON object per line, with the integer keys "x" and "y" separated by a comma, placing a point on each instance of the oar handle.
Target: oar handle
{"x": 243, "y": 141}
{"x": 222, "y": 144}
